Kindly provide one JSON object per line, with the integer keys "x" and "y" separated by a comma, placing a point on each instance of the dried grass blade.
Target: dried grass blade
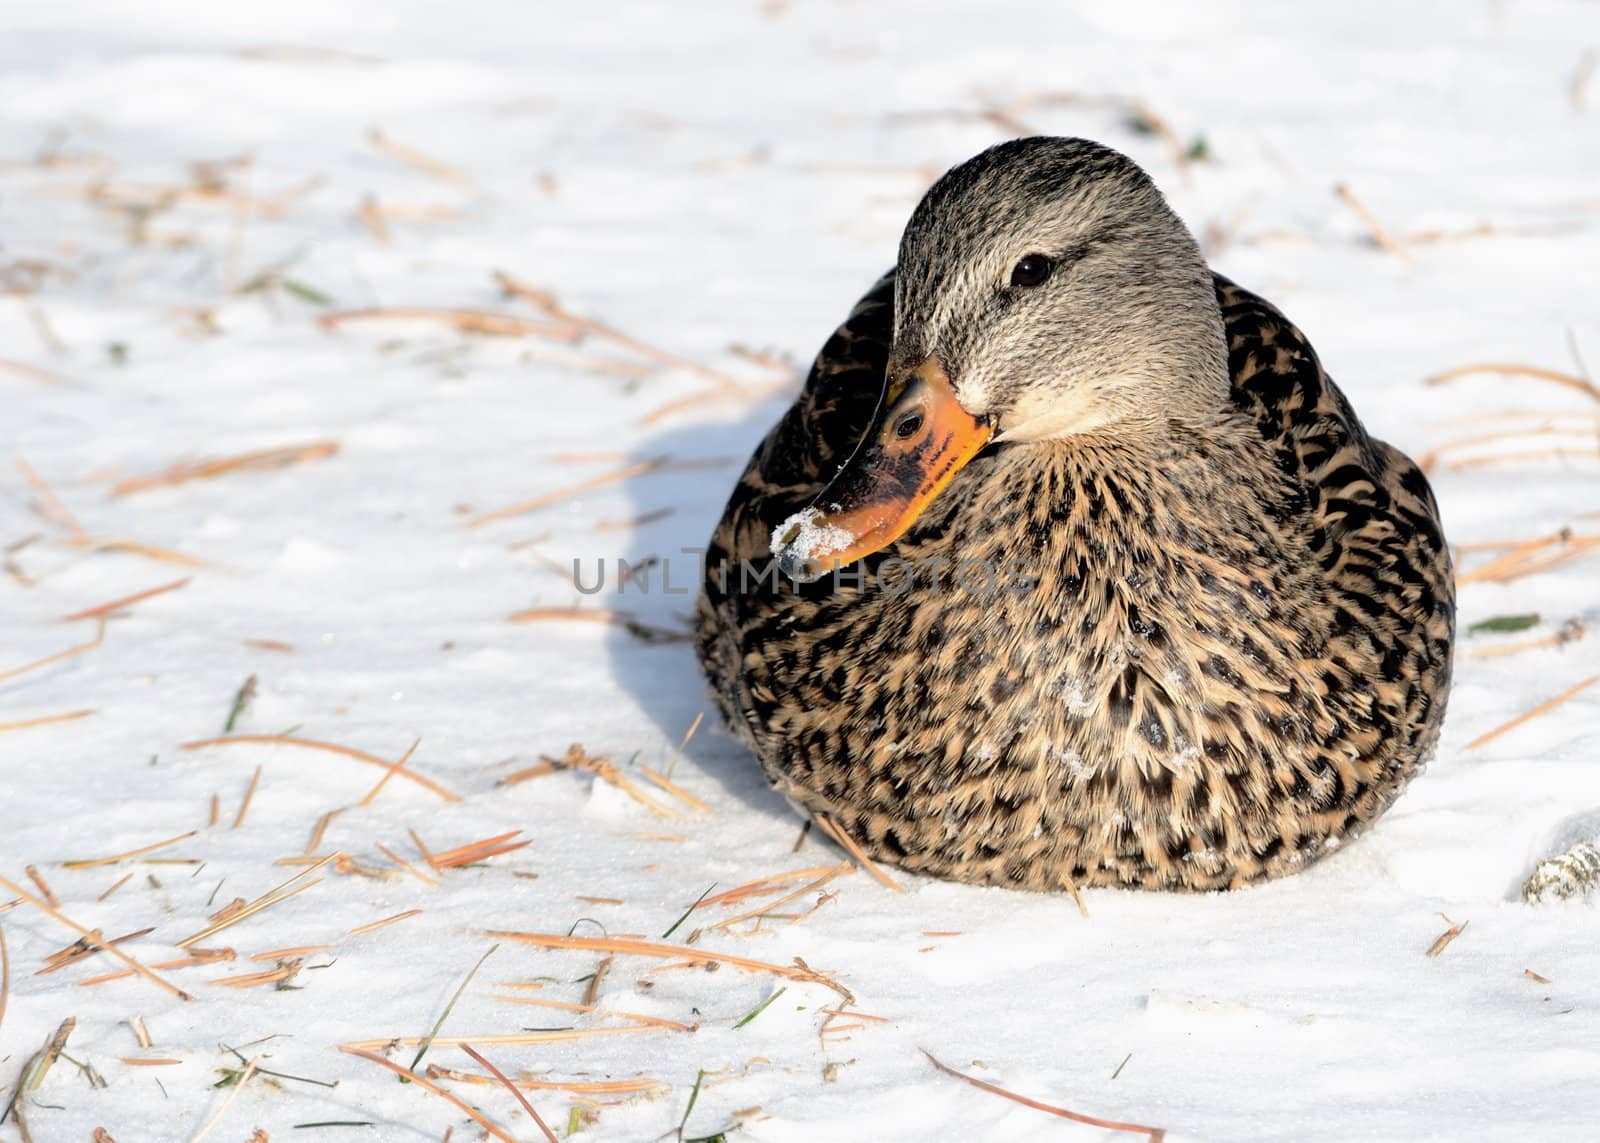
{"x": 1543, "y": 708}
{"x": 44, "y": 720}
{"x": 102, "y": 610}
{"x": 629, "y": 947}
{"x": 507, "y": 1038}
{"x": 92, "y": 863}
{"x": 428, "y": 1085}
{"x": 512, "y": 1088}
{"x": 467, "y": 321}
{"x": 1567, "y": 380}
{"x": 54, "y": 509}
{"x": 90, "y": 935}
{"x": 390, "y": 773}
{"x": 330, "y": 747}
{"x": 99, "y": 637}
{"x": 1155, "y": 1134}
{"x": 258, "y": 461}
{"x": 847, "y": 843}
{"x": 676, "y": 790}
{"x": 770, "y": 884}
{"x": 784, "y": 900}
{"x": 272, "y": 897}
{"x": 568, "y": 1006}
{"x": 383, "y": 923}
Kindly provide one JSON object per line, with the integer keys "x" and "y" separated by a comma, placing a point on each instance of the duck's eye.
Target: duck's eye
{"x": 906, "y": 427}
{"x": 1032, "y": 270}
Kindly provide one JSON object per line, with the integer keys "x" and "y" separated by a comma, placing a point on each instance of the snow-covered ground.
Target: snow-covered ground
{"x": 696, "y": 177}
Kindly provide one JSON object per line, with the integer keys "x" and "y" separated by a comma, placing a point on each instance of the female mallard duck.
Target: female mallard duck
{"x": 1139, "y": 602}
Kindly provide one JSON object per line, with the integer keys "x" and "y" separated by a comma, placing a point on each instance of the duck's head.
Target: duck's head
{"x": 1044, "y": 290}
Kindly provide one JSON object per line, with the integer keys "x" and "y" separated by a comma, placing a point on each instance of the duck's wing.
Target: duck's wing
{"x": 811, "y": 442}
{"x": 1371, "y": 521}
{"x": 795, "y": 461}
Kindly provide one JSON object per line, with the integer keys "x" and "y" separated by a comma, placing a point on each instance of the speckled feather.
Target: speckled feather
{"x": 1233, "y": 655}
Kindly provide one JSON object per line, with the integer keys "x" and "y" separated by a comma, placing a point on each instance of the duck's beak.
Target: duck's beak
{"x": 919, "y": 439}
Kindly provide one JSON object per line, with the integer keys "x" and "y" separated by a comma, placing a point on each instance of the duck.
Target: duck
{"x": 1070, "y": 566}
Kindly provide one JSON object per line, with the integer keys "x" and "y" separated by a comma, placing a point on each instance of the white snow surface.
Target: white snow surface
{"x": 699, "y": 176}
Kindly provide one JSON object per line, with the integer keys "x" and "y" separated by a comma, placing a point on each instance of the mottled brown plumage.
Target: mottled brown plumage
{"x": 1215, "y": 639}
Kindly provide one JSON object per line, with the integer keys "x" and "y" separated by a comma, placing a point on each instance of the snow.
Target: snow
{"x": 697, "y": 177}
{"x": 805, "y": 537}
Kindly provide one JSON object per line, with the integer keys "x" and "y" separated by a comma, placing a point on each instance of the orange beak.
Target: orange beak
{"x": 919, "y": 439}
